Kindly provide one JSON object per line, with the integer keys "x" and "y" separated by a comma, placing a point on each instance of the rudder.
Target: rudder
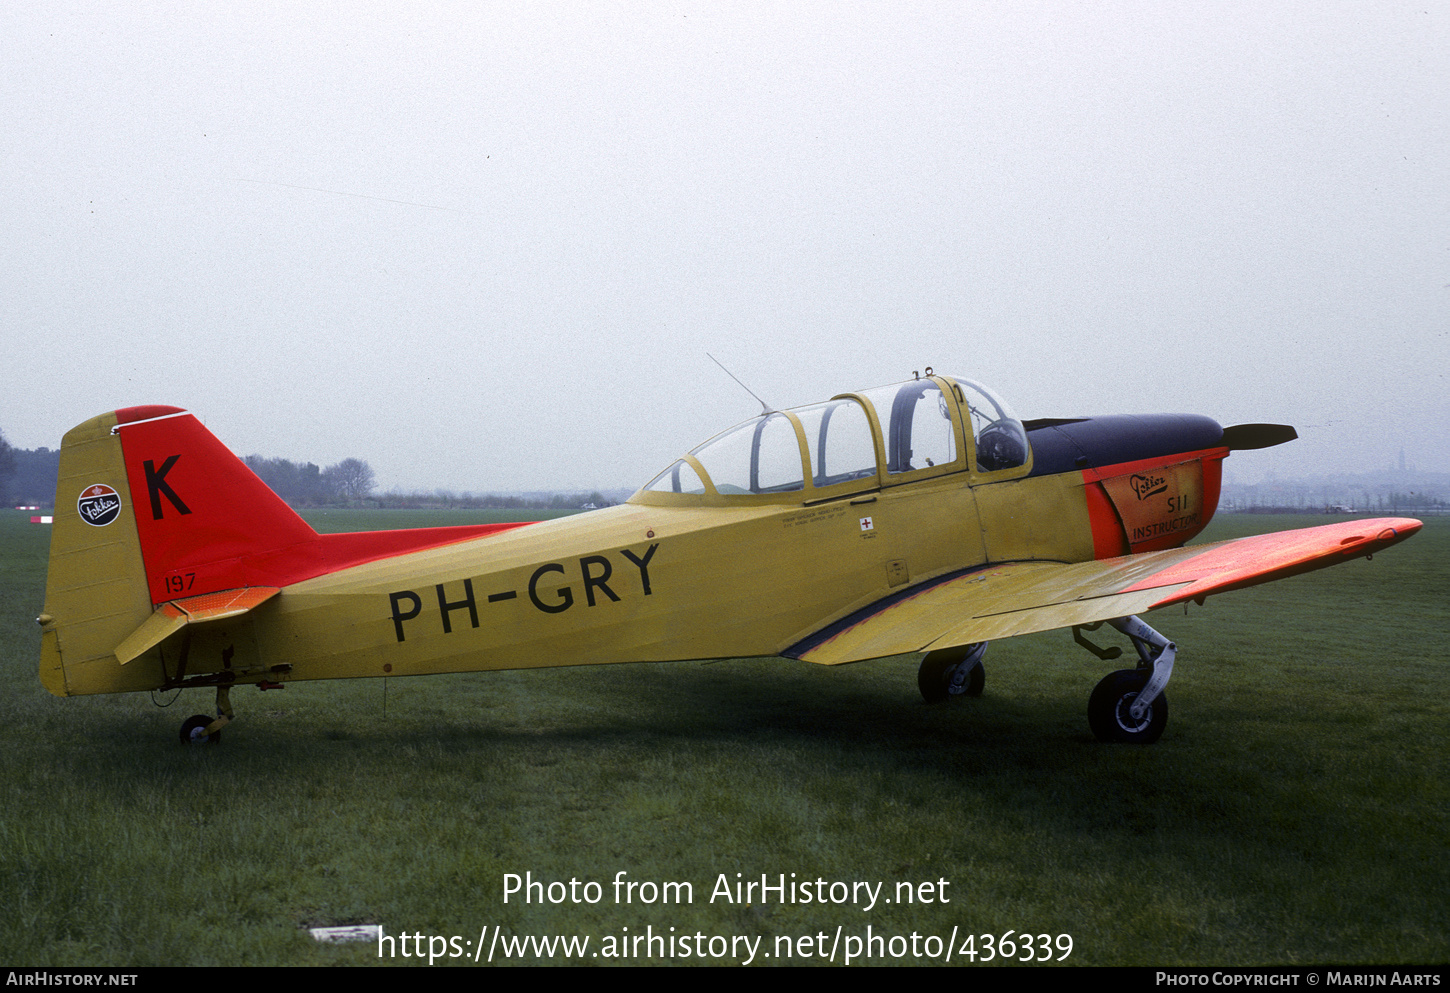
{"x": 95, "y": 587}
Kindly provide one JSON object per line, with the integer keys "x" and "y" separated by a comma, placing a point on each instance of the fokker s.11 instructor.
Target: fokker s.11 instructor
{"x": 920, "y": 517}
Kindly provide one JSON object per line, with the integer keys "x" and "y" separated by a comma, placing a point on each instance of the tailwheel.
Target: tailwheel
{"x": 950, "y": 672}
{"x": 199, "y": 727}
{"x": 1111, "y": 704}
{"x": 194, "y": 732}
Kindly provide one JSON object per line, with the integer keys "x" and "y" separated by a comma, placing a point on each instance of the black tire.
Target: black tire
{"x": 934, "y": 678}
{"x": 194, "y": 724}
{"x": 976, "y": 679}
{"x": 1108, "y": 709}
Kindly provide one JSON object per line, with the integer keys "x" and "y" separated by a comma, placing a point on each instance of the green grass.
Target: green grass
{"x": 1294, "y": 812}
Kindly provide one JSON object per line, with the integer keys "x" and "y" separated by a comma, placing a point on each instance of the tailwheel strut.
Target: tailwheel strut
{"x": 201, "y": 728}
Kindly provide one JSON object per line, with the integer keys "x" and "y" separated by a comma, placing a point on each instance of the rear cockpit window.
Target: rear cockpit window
{"x": 760, "y": 456}
{"x": 838, "y": 435}
{"x": 678, "y": 478}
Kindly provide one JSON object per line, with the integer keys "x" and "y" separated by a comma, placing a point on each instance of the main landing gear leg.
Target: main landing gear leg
{"x": 201, "y": 728}
{"x": 1129, "y": 705}
{"x": 952, "y": 672}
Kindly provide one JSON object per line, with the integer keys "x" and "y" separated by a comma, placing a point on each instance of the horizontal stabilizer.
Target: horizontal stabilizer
{"x": 171, "y": 617}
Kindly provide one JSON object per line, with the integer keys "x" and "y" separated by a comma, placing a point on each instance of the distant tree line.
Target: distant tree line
{"x": 448, "y": 500}
{"x": 306, "y": 485}
{"x": 29, "y": 477}
{"x": 1379, "y": 492}
{"x": 7, "y": 466}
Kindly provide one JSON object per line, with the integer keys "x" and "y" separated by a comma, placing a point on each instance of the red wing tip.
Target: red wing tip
{"x": 1396, "y": 528}
{"x": 130, "y": 415}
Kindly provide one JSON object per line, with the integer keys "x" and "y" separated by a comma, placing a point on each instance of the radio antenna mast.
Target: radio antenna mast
{"x": 765, "y": 408}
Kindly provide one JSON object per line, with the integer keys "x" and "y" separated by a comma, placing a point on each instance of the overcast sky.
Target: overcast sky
{"x": 487, "y": 246}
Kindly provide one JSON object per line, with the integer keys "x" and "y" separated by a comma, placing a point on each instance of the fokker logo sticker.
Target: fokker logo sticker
{"x": 1146, "y": 486}
{"x": 99, "y": 505}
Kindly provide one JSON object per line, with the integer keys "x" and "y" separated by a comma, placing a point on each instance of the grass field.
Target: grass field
{"x": 1296, "y": 811}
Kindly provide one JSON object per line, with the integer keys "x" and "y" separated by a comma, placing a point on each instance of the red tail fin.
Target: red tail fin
{"x": 207, "y": 523}
{"x": 202, "y": 516}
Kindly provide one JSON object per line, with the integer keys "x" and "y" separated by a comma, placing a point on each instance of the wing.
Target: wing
{"x": 999, "y": 601}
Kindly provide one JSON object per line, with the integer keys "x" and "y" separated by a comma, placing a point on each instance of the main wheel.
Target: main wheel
{"x": 976, "y": 680}
{"x": 1109, "y": 709}
{"x": 937, "y": 671}
{"x": 193, "y": 731}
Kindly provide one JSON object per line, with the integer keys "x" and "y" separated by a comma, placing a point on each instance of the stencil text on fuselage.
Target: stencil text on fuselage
{"x": 595, "y": 574}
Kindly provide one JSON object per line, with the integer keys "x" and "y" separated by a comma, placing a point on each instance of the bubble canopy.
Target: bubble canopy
{"x": 886, "y": 436}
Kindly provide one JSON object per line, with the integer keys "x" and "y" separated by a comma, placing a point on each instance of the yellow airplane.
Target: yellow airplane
{"x": 920, "y": 517}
